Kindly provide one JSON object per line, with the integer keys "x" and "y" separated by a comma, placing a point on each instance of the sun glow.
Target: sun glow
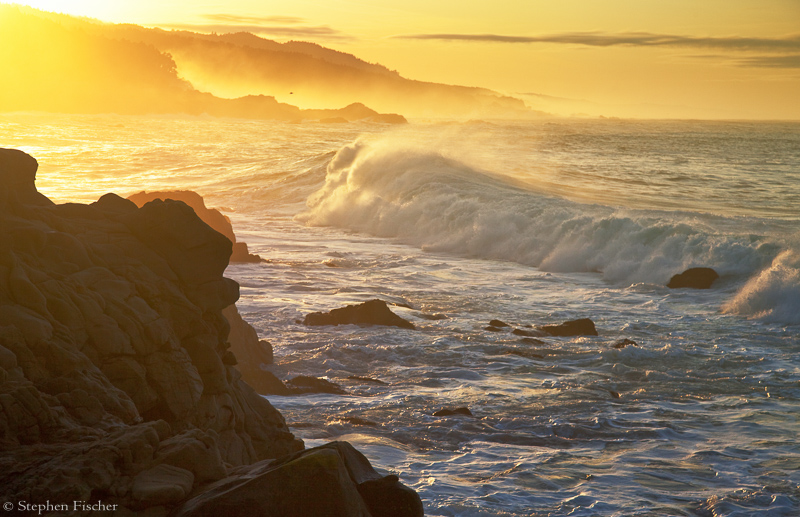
{"x": 100, "y": 9}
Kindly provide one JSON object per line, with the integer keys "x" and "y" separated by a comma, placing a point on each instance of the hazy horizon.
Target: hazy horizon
{"x": 721, "y": 60}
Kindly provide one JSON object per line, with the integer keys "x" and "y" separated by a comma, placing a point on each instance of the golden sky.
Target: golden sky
{"x": 679, "y": 58}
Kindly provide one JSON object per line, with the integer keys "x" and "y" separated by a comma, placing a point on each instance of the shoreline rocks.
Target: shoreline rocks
{"x": 117, "y": 381}
{"x": 694, "y": 278}
{"x": 211, "y": 216}
{"x": 579, "y": 327}
{"x": 373, "y": 312}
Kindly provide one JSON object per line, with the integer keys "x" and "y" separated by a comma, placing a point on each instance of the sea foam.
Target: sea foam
{"x": 773, "y": 294}
{"x": 423, "y": 198}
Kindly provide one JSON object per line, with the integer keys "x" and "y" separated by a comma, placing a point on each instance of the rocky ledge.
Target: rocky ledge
{"x": 117, "y": 382}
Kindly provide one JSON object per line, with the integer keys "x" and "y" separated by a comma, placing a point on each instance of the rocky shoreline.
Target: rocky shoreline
{"x": 118, "y": 383}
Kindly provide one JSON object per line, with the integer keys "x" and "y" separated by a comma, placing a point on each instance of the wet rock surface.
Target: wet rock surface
{"x": 694, "y": 278}
{"x": 373, "y": 312}
{"x": 117, "y": 382}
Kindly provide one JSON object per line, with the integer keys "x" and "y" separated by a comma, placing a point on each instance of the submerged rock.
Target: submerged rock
{"x": 454, "y": 411}
{"x": 373, "y": 312}
{"x": 694, "y": 278}
{"x": 498, "y": 323}
{"x": 579, "y": 327}
{"x": 367, "y": 379}
{"x": 622, "y": 343}
{"x": 528, "y": 333}
{"x": 305, "y": 384}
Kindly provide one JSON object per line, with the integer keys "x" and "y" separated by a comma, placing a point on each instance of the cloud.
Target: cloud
{"x": 252, "y": 20}
{"x": 320, "y": 31}
{"x": 631, "y": 39}
{"x": 790, "y": 61}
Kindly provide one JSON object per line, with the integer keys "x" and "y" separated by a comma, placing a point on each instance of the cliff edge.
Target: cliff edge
{"x": 117, "y": 385}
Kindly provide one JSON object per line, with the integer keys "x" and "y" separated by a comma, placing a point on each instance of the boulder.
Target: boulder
{"x": 373, "y": 312}
{"x": 17, "y": 178}
{"x": 579, "y": 327}
{"x": 160, "y": 485}
{"x": 211, "y": 216}
{"x": 694, "y": 278}
{"x": 267, "y": 383}
{"x": 305, "y": 384}
{"x": 333, "y": 480}
{"x": 498, "y": 323}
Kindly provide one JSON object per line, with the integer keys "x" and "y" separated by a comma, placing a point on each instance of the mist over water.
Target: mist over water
{"x": 533, "y": 224}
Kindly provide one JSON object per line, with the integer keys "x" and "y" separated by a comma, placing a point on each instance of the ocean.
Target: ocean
{"x": 532, "y": 223}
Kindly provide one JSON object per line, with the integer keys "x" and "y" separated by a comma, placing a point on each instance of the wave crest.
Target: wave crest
{"x": 426, "y": 199}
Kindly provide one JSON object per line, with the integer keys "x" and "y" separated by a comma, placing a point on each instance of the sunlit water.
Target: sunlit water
{"x": 533, "y": 224}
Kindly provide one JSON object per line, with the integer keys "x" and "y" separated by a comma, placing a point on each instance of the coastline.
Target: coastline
{"x": 118, "y": 386}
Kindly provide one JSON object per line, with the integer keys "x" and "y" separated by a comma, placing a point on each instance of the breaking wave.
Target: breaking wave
{"x": 426, "y": 199}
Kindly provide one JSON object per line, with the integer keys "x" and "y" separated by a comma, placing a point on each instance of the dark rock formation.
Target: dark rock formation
{"x": 267, "y": 383}
{"x": 622, "y": 343}
{"x": 454, "y": 411}
{"x": 526, "y": 353}
{"x": 211, "y": 216}
{"x": 580, "y": 327}
{"x": 694, "y": 278}
{"x": 250, "y": 351}
{"x": 367, "y": 379}
{"x": 491, "y": 328}
{"x": 528, "y": 333}
{"x": 373, "y": 312}
{"x": 498, "y": 323}
{"x": 333, "y": 480}
{"x": 305, "y": 384}
{"x": 116, "y": 378}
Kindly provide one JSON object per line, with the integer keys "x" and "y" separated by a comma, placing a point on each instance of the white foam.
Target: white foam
{"x": 423, "y": 198}
{"x": 772, "y": 295}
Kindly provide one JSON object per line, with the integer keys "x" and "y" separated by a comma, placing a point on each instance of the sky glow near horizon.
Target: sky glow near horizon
{"x": 682, "y": 58}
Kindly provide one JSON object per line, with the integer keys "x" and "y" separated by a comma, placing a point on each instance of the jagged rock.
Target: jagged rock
{"x": 454, "y": 411}
{"x": 250, "y": 352}
{"x": 266, "y": 383}
{"x": 306, "y": 384}
{"x": 694, "y": 278}
{"x": 17, "y": 178}
{"x": 333, "y": 480}
{"x": 211, "y": 216}
{"x": 579, "y": 327}
{"x": 116, "y": 378}
{"x": 114, "y": 354}
{"x": 622, "y": 343}
{"x": 373, "y": 312}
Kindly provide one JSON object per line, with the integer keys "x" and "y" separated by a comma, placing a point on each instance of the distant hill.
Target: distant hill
{"x": 55, "y": 62}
